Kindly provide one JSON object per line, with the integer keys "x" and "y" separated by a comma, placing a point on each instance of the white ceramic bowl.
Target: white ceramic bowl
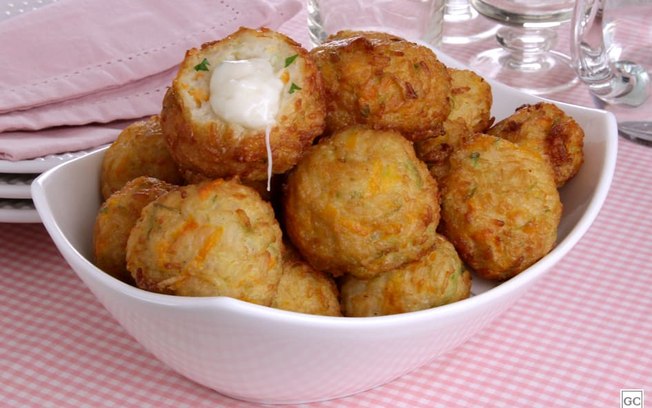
{"x": 261, "y": 354}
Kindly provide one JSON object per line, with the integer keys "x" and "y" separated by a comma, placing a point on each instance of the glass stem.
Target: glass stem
{"x": 456, "y": 11}
{"x": 527, "y": 47}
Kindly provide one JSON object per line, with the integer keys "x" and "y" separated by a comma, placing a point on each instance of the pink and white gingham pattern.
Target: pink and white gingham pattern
{"x": 576, "y": 339}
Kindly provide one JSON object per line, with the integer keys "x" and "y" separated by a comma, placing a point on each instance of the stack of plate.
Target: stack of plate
{"x": 16, "y": 176}
{"x": 15, "y": 180}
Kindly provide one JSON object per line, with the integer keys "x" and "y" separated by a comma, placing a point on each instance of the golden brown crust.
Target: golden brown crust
{"x": 360, "y": 202}
{"x": 216, "y": 238}
{"x": 436, "y": 279}
{"x": 259, "y": 185}
{"x": 139, "y": 150}
{"x": 304, "y": 289}
{"x": 546, "y": 129}
{"x": 115, "y": 219}
{"x": 375, "y": 80}
{"x": 500, "y": 206}
{"x": 202, "y": 142}
{"x": 471, "y": 99}
{"x": 434, "y": 151}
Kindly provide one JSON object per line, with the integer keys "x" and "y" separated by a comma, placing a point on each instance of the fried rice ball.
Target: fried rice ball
{"x": 215, "y": 114}
{"x": 434, "y": 151}
{"x": 360, "y": 202}
{"x": 305, "y": 290}
{"x": 500, "y": 206}
{"x": 470, "y": 113}
{"x": 216, "y": 238}
{"x": 115, "y": 219}
{"x": 139, "y": 150}
{"x": 436, "y": 279}
{"x": 471, "y": 99}
{"x": 383, "y": 82}
{"x": 546, "y": 129}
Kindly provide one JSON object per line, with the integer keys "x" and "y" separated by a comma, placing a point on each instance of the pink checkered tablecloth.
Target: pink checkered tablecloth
{"x": 580, "y": 336}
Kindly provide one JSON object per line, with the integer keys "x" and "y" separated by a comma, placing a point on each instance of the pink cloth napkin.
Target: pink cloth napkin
{"x": 79, "y": 62}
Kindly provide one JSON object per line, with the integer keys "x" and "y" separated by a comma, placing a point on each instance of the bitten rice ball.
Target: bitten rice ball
{"x": 216, "y": 238}
{"x": 500, "y": 206}
{"x": 471, "y": 99}
{"x": 547, "y": 130}
{"x": 383, "y": 82}
{"x": 305, "y": 290}
{"x": 115, "y": 219}
{"x": 360, "y": 202}
{"x": 229, "y": 93}
{"x": 436, "y": 279}
{"x": 139, "y": 150}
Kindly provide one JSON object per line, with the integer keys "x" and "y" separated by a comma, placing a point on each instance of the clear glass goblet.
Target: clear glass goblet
{"x": 464, "y": 25}
{"x": 611, "y": 46}
{"x": 526, "y": 59}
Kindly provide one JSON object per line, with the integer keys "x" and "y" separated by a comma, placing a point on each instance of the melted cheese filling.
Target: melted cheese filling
{"x": 247, "y": 92}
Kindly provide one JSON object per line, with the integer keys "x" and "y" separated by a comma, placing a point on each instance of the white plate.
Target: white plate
{"x": 16, "y": 185}
{"x": 12, "y": 8}
{"x": 41, "y": 164}
{"x": 18, "y": 211}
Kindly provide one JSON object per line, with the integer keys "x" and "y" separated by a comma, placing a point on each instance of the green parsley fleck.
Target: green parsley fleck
{"x": 290, "y": 60}
{"x": 294, "y": 87}
{"x": 355, "y": 195}
{"x": 414, "y": 172}
{"x": 474, "y": 158}
{"x": 202, "y": 66}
